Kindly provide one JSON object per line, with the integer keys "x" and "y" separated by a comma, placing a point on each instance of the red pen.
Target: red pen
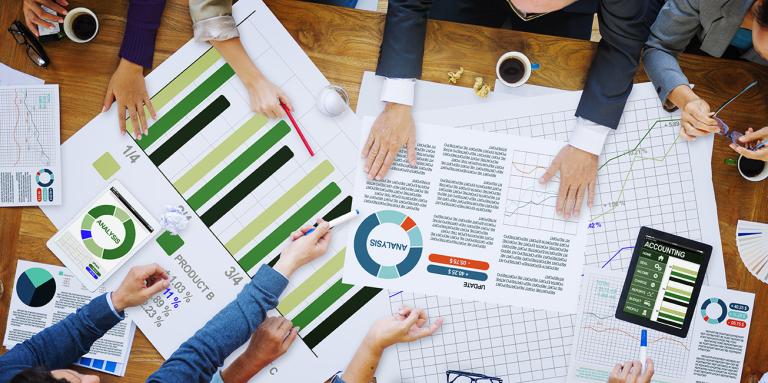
{"x": 295, "y": 125}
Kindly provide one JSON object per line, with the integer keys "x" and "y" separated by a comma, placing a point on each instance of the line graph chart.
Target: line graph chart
{"x": 529, "y": 203}
{"x": 29, "y": 132}
{"x": 602, "y": 340}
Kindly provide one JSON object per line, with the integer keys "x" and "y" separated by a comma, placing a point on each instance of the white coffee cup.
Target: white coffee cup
{"x": 70, "y": 18}
{"x": 761, "y": 176}
{"x": 526, "y": 67}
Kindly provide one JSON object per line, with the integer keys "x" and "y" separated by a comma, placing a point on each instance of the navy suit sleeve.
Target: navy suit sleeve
{"x": 624, "y": 27}
{"x": 62, "y": 344}
{"x": 402, "y": 48}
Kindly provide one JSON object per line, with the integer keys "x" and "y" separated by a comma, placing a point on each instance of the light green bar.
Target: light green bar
{"x": 685, "y": 271}
{"x": 218, "y": 154}
{"x": 684, "y": 293}
{"x": 672, "y": 312}
{"x": 173, "y": 88}
{"x": 311, "y": 284}
{"x": 272, "y": 213}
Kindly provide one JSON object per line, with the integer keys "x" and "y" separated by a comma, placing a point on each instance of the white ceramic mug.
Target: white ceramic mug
{"x": 761, "y": 176}
{"x": 526, "y": 66}
{"x": 70, "y": 18}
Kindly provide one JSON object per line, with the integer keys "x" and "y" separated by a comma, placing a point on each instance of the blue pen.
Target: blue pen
{"x": 643, "y": 348}
{"x": 338, "y": 221}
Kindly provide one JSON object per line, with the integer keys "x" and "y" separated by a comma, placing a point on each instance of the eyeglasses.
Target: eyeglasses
{"x": 726, "y": 131}
{"x": 454, "y": 376}
{"x": 525, "y": 16}
{"x": 35, "y": 51}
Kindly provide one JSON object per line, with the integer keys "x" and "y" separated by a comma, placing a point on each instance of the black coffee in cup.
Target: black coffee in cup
{"x": 750, "y": 167}
{"x": 84, "y": 26}
{"x": 512, "y": 70}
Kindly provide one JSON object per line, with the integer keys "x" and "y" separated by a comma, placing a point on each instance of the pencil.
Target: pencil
{"x": 295, "y": 125}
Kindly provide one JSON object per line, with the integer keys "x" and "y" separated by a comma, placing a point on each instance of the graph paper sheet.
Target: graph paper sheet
{"x": 246, "y": 182}
{"x": 722, "y": 318}
{"x": 29, "y": 146}
{"x": 459, "y": 105}
{"x": 468, "y": 221}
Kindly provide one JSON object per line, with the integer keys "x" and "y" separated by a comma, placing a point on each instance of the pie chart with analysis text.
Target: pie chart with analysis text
{"x": 35, "y": 287}
{"x": 108, "y": 232}
{"x": 388, "y": 244}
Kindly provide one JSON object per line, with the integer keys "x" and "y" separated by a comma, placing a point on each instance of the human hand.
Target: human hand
{"x": 754, "y": 137}
{"x": 630, "y": 372}
{"x": 405, "y": 326}
{"x": 578, "y": 176}
{"x": 266, "y": 97}
{"x": 35, "y": 15}
{"x": 304, "y": 248}
{"x": 696, "y": 120}
{"x": 392, "y": 129}
{"x": 270, "y": 341}
{"x": 127, "y": 87}
{"x": 140, "y": 284}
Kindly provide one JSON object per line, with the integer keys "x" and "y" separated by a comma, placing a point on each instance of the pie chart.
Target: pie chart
{"x": 35, "y": 287}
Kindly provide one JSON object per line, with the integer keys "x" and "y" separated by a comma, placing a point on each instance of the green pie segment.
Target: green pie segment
{"x": 92, "y": 222}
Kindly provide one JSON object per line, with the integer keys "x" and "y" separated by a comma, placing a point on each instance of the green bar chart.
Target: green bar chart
{"x": 319, "y": 305}
{"x": 311, "y": 284}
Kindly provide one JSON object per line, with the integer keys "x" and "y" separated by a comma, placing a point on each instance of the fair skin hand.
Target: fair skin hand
{"x": 34, "y": 14}
{"x": 304, "y": 248}
{"x": 407, "y": 325}
{"x": 393, "y": 129}
{"x": 578, "y": 176}
{"x": 140, "y": 284}
{"x": 265, "y": 96}
{"x": 270, "y": 341}
{"x": 753, "y": 137}
{"x": 695, "y": 115}
{"x": 127, "y": 87}
{"x": 630, "y": 372}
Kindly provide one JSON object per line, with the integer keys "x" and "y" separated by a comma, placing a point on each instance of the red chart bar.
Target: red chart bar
{"x": 457, "y": 261}
{"x": 408, "y": 224}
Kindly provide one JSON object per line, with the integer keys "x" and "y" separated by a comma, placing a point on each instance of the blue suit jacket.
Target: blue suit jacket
{"x": 624, "y": 26}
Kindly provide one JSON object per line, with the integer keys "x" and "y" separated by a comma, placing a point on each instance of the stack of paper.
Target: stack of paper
{"x": 752, "y": 240}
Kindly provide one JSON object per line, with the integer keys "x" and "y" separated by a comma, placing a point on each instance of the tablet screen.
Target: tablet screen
{"x": 663, "y": 280}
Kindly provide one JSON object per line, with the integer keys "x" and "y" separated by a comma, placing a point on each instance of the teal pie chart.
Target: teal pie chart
{"x": 35, "y": 287}
{"x": 404, "y": 253}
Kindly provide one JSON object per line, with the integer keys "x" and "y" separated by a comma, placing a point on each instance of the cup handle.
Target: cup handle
{"x": 534, "y": 66}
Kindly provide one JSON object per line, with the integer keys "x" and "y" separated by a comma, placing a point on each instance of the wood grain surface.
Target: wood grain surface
{"x": 344, "y": 43}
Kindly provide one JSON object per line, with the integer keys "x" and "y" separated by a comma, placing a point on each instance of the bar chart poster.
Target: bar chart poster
{"x": 246, "y": 182}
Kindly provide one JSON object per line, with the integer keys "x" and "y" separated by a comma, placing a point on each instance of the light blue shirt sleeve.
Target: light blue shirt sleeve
{"x": 112, "y": 306}
{"x": 216, "y": 378}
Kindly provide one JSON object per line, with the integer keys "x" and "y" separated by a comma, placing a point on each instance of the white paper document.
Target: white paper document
{"x": 471, "y": 220}
{"x": 712, "y": 352}
{"x": 10, "y": 76}
{"x": 45, "y": 294}
{"x": 29, "y": 146}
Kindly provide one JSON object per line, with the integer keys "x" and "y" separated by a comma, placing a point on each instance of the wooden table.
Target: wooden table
{"x": 343, "y": 43}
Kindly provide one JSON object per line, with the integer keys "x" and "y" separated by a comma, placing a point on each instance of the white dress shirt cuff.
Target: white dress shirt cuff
{"x": 399, "y": 90}
{"x": 112, "y": 306}
{"x": 589, "y": 136}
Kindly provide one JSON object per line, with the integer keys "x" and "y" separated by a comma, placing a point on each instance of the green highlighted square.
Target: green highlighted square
{"x": 106, "y": 166}
{"x": 170, "y": 243}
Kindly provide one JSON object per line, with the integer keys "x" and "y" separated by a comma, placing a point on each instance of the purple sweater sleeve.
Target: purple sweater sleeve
{"x": 139, "y": 39}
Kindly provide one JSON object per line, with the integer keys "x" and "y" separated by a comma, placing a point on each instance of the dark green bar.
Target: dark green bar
{"x": 266, "y": 170}
{"x": 676, "y": 296}
{"x": 671, "y": 317}
{"x": 242, "y": 162}
{"x": 294, "y": 222}
{"x": 344, "y": 207}
{"x": 189, "y": 102}
{"x": 338, "y": 317}
{"x": 319, "y": 305}
{"x": 194, "y": 126}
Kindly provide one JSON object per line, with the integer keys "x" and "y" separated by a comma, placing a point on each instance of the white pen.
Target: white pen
{"x": 338, "y": 221}
{"x": 643, "y": 348}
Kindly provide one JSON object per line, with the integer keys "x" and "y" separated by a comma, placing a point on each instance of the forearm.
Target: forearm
{"x": 199, "y": 357}
{"x": 235, "y": 55}
{"x": 362, "y": 367}
{"x": 138, "y": 44}
{"x": 402, "y": 48}
{"x": 682, "y": 95}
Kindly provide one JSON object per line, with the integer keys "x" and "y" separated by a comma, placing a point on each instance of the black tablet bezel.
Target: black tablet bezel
{"x": 676, "y": 240}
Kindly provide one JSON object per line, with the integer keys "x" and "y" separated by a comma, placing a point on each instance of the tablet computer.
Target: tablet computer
{"x": 663, "y": 282}
{"x": 103, "y": 236}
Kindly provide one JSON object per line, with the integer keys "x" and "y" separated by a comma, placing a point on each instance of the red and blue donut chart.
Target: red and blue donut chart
{"x": 414, "y": 249}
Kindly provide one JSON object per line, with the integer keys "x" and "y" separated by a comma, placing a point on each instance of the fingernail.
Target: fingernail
{"x": 378, "y": 178}
{"x": 103, "y": 109}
